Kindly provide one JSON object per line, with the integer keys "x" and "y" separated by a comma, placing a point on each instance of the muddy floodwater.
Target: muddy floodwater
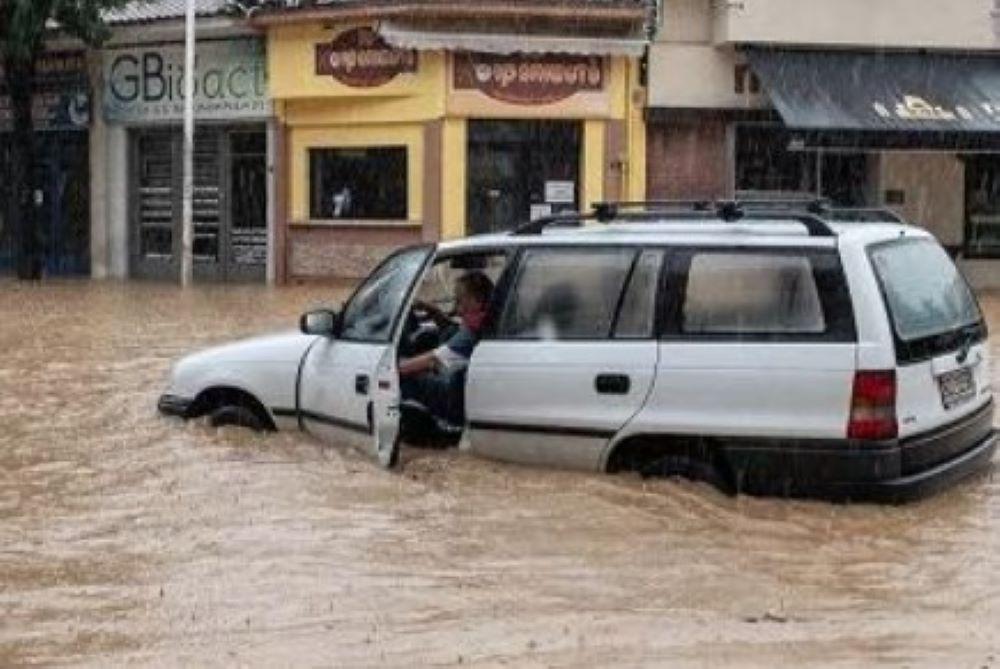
{"x": 129, "y": 538}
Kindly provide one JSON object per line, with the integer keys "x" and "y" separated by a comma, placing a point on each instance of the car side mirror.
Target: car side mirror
{"x": 324, "y": 322}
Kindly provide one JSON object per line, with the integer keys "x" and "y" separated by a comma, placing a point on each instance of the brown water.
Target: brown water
{"x": 127, "y": 538}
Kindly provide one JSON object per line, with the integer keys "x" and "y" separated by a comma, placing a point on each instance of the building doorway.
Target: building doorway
{"x": 62, "y": 200}
{"x": 230, "y": 204}
{"x": 519, "y": 170}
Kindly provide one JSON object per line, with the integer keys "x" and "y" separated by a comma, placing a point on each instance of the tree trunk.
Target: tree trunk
{"x": 24, "y": 221}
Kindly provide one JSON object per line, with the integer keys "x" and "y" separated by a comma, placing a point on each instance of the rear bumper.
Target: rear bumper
{"x": 893, "y": 472}
{"x": 173, "y": 405}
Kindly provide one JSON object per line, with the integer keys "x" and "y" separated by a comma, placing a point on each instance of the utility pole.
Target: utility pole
{"x": 187, "y": 235}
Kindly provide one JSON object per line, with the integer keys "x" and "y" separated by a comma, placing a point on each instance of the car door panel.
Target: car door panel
{"x": 332, "y": 406}
{"x": 349, "y": 385}
{"x": 554, "y": 386}
{"x": 778, "y": 390}
{"x": 539, "y": 402}
{"x": 757, "y": 343}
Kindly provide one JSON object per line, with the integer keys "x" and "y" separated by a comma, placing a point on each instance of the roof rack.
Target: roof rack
{"x": 864, "y": 215}
{"x": 536, "y": 226}
{"x": 813, "y": 213}
{"x": 806, "y": 212}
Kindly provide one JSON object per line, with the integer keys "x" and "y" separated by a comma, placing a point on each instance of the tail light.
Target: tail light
{"x": 873, "y": 407}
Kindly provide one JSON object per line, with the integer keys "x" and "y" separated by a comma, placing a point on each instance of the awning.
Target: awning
{"x": 403, "y": 36}
{"x": 881, "y": 92}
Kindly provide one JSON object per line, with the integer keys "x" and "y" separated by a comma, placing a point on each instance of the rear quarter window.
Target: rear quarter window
{"x": 761, "y": 294}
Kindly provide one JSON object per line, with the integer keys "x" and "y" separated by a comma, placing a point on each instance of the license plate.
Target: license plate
{"x": 957, "y": 387}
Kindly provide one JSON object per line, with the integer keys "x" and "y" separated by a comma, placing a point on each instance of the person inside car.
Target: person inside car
{"x": 435, "y": 380}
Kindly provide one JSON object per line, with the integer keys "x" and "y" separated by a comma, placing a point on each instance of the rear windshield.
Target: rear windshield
{"x": 924, "y": 291}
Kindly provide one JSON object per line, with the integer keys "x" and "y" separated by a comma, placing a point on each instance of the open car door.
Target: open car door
{"x": 349, "y": 385}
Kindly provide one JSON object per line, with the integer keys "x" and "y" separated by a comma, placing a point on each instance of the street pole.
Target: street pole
{"x": 187, "y": 236}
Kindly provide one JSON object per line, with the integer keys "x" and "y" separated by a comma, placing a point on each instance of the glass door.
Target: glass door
{"x": 520, "y": 170}
{"x": 64, "y": 213}
{"x": 230, "y": 204}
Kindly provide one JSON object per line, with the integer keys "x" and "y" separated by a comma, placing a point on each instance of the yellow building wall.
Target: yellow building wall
{"x": 454, "y": 156}
{"x": 592, "y": 164}
{"x": 321, "y": 112}
{"x": 291, "y": 57}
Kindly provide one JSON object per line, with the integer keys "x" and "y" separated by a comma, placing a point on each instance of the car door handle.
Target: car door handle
{"x": 612, "y": 384}
{"x": 361, "y": 384}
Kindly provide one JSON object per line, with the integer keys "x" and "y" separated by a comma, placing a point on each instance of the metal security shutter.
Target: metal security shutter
{"x": 156, "y": 196}
{"x": 207, "y": 196}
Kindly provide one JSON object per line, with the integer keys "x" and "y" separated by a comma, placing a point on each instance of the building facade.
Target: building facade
{"x": 439, "y": 120}
{"x": 894, "y": 103}
{"x": 136, "y": 148}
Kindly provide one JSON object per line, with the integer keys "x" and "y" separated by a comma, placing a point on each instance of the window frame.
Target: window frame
{"x": 831, "y": 284}
{"x": 311, "y": 153}
{"x": 397, "y": 318}
{"x": 510, "y": 253}
{"x": 505, "y": 288}
{"x": 921, "y": 350}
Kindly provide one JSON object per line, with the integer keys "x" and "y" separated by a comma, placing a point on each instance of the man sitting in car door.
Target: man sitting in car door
{"x": 436, "y": 379}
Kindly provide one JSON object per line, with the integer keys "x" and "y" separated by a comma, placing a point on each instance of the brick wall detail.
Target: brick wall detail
{"x": 687, "y": 159}
{"x": 343, "y": 253}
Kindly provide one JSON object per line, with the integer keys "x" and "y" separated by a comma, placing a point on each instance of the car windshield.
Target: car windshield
{"x": 925, "y": 293}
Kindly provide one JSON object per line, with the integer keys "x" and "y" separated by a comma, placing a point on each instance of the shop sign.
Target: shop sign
{"x": 147, "y": 83}
{"x": 916, "y": 108}
{"x": 919, "y": 108}
{"x": 360, "y": 58}
{"x": 62, "y": 94}
{"x": 560, "y": 192}
{"x": 528, "y": 79}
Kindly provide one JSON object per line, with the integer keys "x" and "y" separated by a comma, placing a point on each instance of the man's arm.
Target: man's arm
{"x": 418, "y": 364}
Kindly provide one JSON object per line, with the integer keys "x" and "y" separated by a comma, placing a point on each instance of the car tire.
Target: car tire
{"x": 713, "y": 473}
{"x": 236, "y": 415}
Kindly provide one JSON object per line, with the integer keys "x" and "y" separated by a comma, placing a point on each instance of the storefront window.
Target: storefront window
{"x": 766, "y": 166}
{"x": 358, "y": 183}
{"x": 982, "y": 198}
{"x": 764, "y": 163}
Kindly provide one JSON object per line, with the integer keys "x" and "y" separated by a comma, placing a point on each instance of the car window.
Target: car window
{"x": 438, "y": 284}
{"x": 925, "y": 293}
{"x": 373, "y": 309}
{"x": 638, "y": 309}
{"x": 566, "y": 294}
{"x": 742, "y": 293}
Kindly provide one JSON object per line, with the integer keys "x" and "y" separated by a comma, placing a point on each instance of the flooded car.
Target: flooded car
{"x": 769, "y": 349}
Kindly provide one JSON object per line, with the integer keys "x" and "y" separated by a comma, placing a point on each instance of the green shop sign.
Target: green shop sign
{"x": 144, "y": 84}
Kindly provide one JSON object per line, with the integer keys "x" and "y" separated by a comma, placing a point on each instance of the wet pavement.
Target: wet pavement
{"x": 128, "y": 538}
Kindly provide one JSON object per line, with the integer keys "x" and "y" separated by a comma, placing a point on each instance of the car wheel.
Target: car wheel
{"x": 236, "y": 415}
{"x": 713, "y": 473}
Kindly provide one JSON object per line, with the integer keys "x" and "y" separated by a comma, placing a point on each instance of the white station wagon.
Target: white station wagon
{"x": 770, "y": 348}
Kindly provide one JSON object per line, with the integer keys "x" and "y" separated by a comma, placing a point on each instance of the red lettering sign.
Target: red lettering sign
{"x": 362, "y": 59}
{"x": 528, "y": 79}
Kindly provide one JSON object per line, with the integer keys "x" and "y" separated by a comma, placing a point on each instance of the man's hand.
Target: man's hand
{"x": 439, "y": 317}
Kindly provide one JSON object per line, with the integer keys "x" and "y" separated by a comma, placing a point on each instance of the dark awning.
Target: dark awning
{"x": 881, "y": 92}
